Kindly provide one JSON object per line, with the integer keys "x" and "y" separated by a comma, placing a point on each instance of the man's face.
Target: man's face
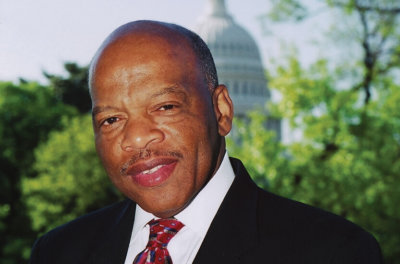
{"x": 155, "y": 128}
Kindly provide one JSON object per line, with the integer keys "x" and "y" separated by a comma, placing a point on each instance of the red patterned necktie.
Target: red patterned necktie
{"x": 161, "y": 232}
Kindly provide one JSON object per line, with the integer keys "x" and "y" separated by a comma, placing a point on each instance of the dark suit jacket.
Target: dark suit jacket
{"x": 251, "y": 226}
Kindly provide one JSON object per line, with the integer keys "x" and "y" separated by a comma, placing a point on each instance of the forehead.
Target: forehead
{"x": 148, "y": 61}
{"x": 133, "y": 54}
{"x": 144, "y": 46}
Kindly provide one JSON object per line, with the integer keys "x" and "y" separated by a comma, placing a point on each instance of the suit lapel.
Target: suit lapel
{"x": 233, "y": 231}
{"x": 114, "y": 246}
{"x": 232, "y": 234}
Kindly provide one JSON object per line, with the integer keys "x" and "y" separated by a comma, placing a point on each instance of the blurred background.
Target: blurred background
{"x": 316, "y": 86}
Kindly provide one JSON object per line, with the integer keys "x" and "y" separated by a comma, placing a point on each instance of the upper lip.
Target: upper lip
{"x": 144, "y": 165}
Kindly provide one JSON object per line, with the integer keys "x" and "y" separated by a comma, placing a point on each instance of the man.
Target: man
{"x": 160, "y": 118}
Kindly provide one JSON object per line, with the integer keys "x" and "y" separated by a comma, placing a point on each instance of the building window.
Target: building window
{"x": 235, "y": 88}
{"x": 245, "y": 89}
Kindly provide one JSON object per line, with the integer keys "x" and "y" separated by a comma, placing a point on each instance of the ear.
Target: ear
{"x": 223, "y": 109}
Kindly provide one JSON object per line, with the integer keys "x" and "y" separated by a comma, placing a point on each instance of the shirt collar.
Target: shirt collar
{"x": 199, "y": 214}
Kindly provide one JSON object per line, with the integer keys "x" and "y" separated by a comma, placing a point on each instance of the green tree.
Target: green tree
{"x": 70, "y": 173}
{"x": 348, "y": 159}
{"x": 28, "y": 111}
{"x": 348, "y": 113}
{"x": 72, "y": 89}
{"x": 372, "y": 29}
{"x": 259, "y": 149}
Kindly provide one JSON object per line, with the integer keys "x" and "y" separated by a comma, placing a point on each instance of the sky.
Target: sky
{"x": 41, "y": 35}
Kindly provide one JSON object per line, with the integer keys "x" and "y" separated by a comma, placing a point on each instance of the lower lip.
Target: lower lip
{"x": 156, "y": 178}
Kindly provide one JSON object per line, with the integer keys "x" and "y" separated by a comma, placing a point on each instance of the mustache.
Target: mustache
{"x": 146, "y": 154}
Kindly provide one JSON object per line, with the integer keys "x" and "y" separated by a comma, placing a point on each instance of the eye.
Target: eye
{"x": 109, "y": 121}
{"x": 166, "y": 107}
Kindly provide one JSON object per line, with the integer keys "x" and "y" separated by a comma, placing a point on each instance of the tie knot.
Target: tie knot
{"x": 162, "y": 231}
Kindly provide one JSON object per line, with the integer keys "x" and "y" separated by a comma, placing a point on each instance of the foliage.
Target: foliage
{"x": 375, "y": 30}
{"x": 289, "y": 8}
{"x": 348, "y": 113}
{"x": 70, "y": 173}
{"x": 258, "y": 149}
{"x": 72, "y": 89}
{"x": 348, "y": 160}
{"x": 349, "y": 157}
{"x": 28, "y": 111}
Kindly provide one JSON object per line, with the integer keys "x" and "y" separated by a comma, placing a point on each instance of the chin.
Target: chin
{"x": 164, "y": 210}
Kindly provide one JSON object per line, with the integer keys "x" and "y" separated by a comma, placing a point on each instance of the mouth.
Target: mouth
{"x": 150, "y": 173}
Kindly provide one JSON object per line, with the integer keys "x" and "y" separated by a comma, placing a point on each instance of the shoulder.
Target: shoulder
{"x": 80, "y": 235}
{"x": 90, "y": 223}
{"x": 298, "y": 217}
{"x": 312, "y": 233}
{"x": 293, "y": 232}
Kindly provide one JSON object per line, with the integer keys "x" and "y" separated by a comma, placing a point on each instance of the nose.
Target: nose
{"x": 140, "y": 135}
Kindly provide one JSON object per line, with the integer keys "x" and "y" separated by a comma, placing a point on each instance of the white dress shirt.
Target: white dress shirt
{"x": 196, "y": 217}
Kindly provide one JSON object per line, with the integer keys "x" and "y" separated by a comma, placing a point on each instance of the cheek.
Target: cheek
{"x": 199, "y": 141}
{"x": 108, "y": 153}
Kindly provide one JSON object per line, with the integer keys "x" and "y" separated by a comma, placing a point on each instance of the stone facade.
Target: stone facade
{"x": 237, "y": 59}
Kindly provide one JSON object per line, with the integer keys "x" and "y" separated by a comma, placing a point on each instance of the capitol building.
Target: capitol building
{"x": 237, "y": 59}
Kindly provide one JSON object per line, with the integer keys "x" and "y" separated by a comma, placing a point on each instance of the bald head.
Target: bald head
{"x": 172, "y": 34}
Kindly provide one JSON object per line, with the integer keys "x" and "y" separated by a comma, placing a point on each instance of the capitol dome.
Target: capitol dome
{"x": 236, "y": 57}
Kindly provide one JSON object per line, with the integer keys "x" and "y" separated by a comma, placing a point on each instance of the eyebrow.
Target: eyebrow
{"x": 98, "y": 109}
{"x": 168, "y": 90}
{"x": 171, "y": 90}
